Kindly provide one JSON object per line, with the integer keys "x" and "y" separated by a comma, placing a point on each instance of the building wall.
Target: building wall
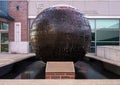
{"x": 18, "y": 9}
{"x": 88, "y": 7}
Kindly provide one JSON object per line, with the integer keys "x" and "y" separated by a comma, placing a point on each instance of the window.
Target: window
{"x": 4, "y": 42}
{"x": 92, "y": 25}
{"x": 4, "y": 47}
{"x": 91, "y": 49}
{"x": 4, "y": 37}
{"x": 103, "y": 24}
{"x": 107, "y": 35}
{"x": 30, "y": 22}
{"x": 3, "y": 26}
{"x": 104, "y": 32}
{"x": 106, "y": 43}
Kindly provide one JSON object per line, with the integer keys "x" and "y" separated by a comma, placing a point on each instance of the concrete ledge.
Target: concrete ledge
{"x": 60, "y": 70}
{"x": 109, "y": 52}
{"x": 110, "y": 65}
{"x": 60, "y": 82}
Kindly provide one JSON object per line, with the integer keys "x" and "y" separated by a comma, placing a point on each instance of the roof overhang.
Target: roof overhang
{"x": 5, "y": 15}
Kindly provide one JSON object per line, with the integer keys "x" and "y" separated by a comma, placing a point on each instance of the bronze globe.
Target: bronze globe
{"x": 60, "y": 33}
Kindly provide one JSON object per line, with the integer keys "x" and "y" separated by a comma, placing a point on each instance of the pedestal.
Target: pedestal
{"x": 60, "y": 70}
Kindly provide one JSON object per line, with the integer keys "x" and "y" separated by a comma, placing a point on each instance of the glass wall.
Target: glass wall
{"x": 4, "y": 5}
{"x": 104, "y": 32}
{"x": 4, "y": 37}
{"x": 92, "y": 24}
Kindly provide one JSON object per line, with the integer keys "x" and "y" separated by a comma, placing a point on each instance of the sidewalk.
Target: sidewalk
{"x": 92, "y": 55}
{"x": 6, "y": 59}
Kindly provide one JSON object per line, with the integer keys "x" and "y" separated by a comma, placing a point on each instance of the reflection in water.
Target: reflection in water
{"x": 26, "y": 75}
{"x": 34, "y": 71}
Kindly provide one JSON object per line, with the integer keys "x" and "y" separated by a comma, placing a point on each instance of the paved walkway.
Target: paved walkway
{"x": 92, "y": 55}
{"x": 6, "y": 59}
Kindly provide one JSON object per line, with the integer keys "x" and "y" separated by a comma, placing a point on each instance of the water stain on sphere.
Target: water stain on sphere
{"x": 60, "y": 33}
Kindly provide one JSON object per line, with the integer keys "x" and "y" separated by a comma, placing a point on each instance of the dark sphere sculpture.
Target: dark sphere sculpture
{"x": 60, "y": 33}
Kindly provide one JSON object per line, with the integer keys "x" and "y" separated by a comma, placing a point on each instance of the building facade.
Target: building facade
{"x": 4, "y": 20}
{"x": 18, "y": 32}
{"x": 16, "y": 17}
{"x": 14, "y": 32}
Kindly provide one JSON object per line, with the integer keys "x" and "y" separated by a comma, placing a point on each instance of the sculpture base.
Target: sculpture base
{"x": 60, "y": 70}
